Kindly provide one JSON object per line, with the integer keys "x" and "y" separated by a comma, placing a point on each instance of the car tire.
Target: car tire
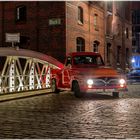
{"x": 76, "y": 90}
{"x": 54, "y": 86}
{"x": 115, "y": 94}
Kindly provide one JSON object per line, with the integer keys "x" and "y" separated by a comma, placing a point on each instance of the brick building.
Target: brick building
{"x": 136, "y": 27}
{"x": 57, "y": 28}
{"x": 118, "y": 34}
{"x": 41, "y": 25}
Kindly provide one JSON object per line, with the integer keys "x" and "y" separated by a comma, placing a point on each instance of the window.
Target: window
{"x": 133, "y": 42}
{"x": 24, "y": 41}
{"x": 80, "y": 44}
{"x": 109, "y": 6}
{"x": 127, "y": 56}
{"x": 21, "y": 13}
{"x": 118, "y": 53}
{"x": 108, "y": 52}
{"x": 95, "y": 22}
{"x": 136, "y": 17}
{"x": 68, "y": 61}
{"x": 80, "y": 15}
{"x": 88, "y": 60}
{"x": 95, "y": 46}
{"x": 127, "y": 33}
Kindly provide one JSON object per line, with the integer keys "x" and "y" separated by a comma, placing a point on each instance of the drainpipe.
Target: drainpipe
{"x": 105, "y": 18}
{"x": 2, "y": 23}
{"x": 37, "y": 26}
{"x": 123, "y": 43}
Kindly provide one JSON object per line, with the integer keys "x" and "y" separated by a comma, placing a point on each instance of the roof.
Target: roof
{"x": 83, "y": 53}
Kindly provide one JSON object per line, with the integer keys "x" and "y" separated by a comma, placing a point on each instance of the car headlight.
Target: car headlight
{"x": 90, "y": 82}
{"x": 122, "y": 81}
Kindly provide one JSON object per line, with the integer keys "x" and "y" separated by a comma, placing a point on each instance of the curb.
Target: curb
{"x": 19, "y": 95}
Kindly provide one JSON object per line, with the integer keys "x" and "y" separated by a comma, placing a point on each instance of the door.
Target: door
{"x": 66, "y": 73}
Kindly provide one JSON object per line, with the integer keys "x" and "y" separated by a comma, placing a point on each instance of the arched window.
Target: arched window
{"x": 95, "y": 46}
{"x": 95, "y": 22}
{"x": 80, "y": 44}
{"x": 80, "y": 15}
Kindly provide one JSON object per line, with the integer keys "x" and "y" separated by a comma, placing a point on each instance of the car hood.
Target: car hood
{"x": 98, "y": 71}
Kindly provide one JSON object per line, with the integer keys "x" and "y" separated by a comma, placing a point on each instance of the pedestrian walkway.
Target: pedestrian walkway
{"x": 134, "y": 90}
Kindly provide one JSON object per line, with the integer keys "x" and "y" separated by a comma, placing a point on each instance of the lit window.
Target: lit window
{"x": 21, "y": 13}
{"x": 80, "y": 44}
{"x": 80, "y": 15}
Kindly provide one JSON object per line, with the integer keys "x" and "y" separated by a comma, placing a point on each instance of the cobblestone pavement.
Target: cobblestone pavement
{"x": 64, "y": 116}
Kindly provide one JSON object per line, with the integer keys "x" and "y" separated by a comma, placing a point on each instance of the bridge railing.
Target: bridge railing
{"x": 24, "y": 70}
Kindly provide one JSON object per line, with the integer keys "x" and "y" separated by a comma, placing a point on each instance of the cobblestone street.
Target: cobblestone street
{"x": 64, "y": 116}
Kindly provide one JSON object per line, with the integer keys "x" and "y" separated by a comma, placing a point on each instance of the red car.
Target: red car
{"x": 85, "y": 72}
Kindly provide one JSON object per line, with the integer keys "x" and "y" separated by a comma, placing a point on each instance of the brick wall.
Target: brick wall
{"x": 85, "y": 30}
{"x": 42, "y": 37}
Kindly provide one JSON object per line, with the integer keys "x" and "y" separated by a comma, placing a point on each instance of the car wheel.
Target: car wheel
{"x": 54, "y": 86}
{"x": 115, "y": 94}
{"x": 76, "y": 90}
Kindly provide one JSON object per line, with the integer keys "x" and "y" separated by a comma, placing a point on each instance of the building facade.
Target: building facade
{"x": 136, "y": 27}
{"x": 85, "y": 27}
{"x": 57, "y": 28}
{"x": 41, "y": 26}
{"x": 118, "y": 34}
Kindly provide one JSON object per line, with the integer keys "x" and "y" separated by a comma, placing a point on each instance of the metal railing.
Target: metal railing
{"x": 24, "y": 70}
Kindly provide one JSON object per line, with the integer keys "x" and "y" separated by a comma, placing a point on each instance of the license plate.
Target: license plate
{"x": 100, "y": 90}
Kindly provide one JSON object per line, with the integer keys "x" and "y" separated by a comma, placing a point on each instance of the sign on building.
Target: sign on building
{"x": 55, "y": 21}
{"x": 12, "y": 38}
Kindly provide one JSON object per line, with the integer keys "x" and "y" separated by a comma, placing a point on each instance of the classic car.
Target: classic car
{"x": 85, "y": 72}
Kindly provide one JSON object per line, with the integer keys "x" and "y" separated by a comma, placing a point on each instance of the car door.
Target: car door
{"x": 66, "y": 73}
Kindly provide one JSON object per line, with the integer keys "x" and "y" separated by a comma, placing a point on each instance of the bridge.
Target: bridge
{"x": 25, "y": 70}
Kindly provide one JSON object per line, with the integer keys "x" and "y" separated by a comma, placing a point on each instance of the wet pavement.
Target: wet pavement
{"x": 63, "y": 116}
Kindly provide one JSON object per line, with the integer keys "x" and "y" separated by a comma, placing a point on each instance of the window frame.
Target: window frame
{"x": 21, "y": 13}
{"x": 80, "y": 15}
{"x": 80, "y": 44}
{"x": 95, "y": 22}
{"x": 118, "y": 54}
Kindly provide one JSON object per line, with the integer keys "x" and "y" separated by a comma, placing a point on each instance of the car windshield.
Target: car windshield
{"x": 88, "y": 59}
{"x": 135, "y": 70}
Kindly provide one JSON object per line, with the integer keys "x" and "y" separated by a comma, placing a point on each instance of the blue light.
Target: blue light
{"x": 133, "y": 60}
{"x": 136, "y": 61}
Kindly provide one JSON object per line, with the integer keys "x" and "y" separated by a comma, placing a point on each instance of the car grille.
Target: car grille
{"x": 106, "y": 81}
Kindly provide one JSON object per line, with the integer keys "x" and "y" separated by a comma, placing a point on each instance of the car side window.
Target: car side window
{"x": 99, "y": 61}
{"x": 68, "y": 61}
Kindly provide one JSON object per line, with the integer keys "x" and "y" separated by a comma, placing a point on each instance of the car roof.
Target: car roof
{"x": 83, "y": 53}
